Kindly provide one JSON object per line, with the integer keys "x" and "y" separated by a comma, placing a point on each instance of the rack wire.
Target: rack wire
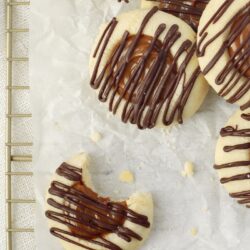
{"x": 12, "y": 157}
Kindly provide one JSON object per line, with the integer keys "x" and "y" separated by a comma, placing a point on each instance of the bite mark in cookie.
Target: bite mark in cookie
{"x": 82, "y": 219}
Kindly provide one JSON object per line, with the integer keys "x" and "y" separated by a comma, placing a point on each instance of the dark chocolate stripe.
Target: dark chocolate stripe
{"x": 69, "y": 172}
{"x": 246, "y": 117}
{"x": 243, "y": 202}
{"x": 126, "y": 1}
{"x": 231, "y": 131}
{"x": 237, "y": 147}
{"x": 243, "y": 197}
{"x": 245, "y": 106}
{"x": 232, "y": 164}
{"x": 239, "y": 177}
{"x": 105, "y": 40}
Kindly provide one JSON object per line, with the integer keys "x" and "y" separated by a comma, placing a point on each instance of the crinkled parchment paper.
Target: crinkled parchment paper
{"x": 66, "y": 111}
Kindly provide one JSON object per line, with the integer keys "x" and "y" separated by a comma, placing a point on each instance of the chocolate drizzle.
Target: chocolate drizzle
{"x": 189, "y": 11}
{"x": 87, "y": 216}
{"x": 148, "y": 91}
{"x": 232, "y": 164}
{"x": 237, "y": 147}
{"x": 246, "y": 117}
{"x": 239, "y": 177}
{"x": 230, "y": 131}
{"x": 244, "y": 197}
{"x": 238, "y": 64}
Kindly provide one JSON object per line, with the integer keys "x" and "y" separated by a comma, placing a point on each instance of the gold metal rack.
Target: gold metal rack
{"x": 11, "y": 157}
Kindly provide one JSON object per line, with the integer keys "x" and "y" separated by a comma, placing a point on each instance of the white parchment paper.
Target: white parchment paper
{"x": 66, "y": 111}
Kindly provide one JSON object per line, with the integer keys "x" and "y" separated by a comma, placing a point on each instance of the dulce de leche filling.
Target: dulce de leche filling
{"x": 132, "y": 92}
{"x": 189, "y": 11}
{"x": 239, "y": 50}
{"x": 95, "y": 210}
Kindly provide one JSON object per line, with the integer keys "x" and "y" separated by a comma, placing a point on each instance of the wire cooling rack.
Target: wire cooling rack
{"x": 18, "y": 150}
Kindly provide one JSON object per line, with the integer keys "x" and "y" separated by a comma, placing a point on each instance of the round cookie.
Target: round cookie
{"x": 189, "y": 11}
{"x": 144, "y": 66}
{"x": 81, "y": 219}
{"x": 232, "y": 158}
{"x": 223, "y": 49}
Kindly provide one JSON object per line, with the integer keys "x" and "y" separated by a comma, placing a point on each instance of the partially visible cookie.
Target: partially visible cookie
{"x": 189, "y": 11}
{"x": 232, "y": 158}
{"x": 81, "y": 219}
{"x": 224, "y": 49}
{"x": 144, "y": 66}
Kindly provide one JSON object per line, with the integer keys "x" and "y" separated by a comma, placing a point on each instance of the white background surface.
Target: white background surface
{"x": 66, "y": 111}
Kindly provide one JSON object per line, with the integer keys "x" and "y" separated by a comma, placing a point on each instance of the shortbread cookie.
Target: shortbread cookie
{"x": 224, "y": 49}
{"x": 144, "y": 66}
{"x": 233, "y": 157}
{"x": 81, "y": 219}
{"x": 189, "y": 11}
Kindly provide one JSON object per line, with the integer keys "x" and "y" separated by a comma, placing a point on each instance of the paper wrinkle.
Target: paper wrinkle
{"x": 66, "y": 111}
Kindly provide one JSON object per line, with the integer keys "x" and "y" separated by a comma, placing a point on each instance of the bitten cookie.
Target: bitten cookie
{"x": 144, "y": 66}
{"x": 232, "y": 157}
{"x": 81, "y": 219}
{"x": 189, "y": 11}
{"x": 224, "y": 49}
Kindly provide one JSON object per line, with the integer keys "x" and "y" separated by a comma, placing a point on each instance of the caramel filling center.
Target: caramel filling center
{"x": 240, "y": 48}
{"x": 98, "y": 218}
{"x": 131, "y": 92}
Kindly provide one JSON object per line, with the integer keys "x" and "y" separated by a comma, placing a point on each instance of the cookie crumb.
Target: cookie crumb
{"x": 57, "y": 125}
{"x": 194, "y": 231}
{"x": 126, "y": 176}
{"x": 205, "y": 209}
{"x": 116, "y": 191}
{"x": 95, "y": 137}
{"x": 188, "y": 169}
